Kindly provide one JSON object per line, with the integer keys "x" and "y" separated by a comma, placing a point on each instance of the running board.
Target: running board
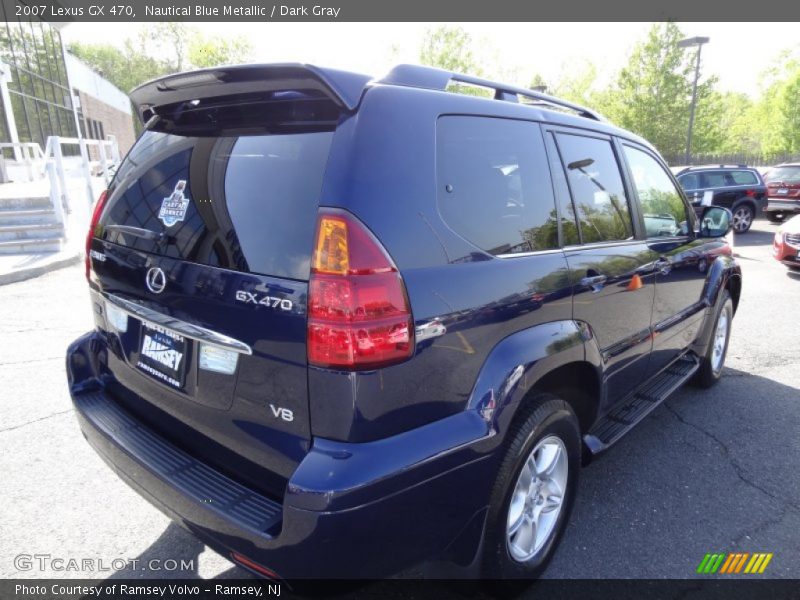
{"x": 608, "y": 430}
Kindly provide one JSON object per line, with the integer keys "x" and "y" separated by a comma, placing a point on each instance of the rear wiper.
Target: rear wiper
{"x": 146, "y": 234}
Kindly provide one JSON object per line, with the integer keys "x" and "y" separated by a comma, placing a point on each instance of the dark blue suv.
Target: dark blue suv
{"x": 346, "y": 325}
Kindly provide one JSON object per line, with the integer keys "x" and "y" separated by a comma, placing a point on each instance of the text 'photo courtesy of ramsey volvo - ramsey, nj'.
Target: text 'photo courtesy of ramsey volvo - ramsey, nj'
{"x": 346, "y": 325}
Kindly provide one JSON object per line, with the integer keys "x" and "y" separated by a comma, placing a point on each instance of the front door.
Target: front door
{"x": 680, "y": 261}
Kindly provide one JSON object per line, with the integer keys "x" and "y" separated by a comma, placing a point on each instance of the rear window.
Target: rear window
{"x": 246, "y": 203}
{"x": 785, "y": 174}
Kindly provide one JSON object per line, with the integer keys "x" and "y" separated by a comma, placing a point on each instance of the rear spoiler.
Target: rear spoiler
{"x": 341, "y": 87}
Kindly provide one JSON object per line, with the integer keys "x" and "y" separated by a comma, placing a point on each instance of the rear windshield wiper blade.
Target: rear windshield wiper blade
{"x": 146, "y": 234}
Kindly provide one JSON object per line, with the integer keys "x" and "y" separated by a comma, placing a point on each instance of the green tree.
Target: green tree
{"x": 449, "y": 48}
{"x": 652, "y": 93}
{"x": 777, "y": 114}
{"x": 126, "y": 68}
{"x": 160, "y": 50}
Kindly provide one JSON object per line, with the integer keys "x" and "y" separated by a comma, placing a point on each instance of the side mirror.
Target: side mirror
{"x": 715, "y": 222}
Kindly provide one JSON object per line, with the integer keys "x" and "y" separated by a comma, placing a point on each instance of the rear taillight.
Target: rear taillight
{"x": 750, "y": 193}
{"x": 98, "y": 210}
{"x": 358, "y": 311}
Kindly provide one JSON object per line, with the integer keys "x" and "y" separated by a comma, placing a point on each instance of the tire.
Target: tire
{"x": 546, "y": 431}
{"x": 712, "y": 362}
{"x": 775, "y": 217}
{"x": 743, "y": 216}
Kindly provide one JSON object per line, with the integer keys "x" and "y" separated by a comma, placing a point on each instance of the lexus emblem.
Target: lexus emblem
{"x": 156, "y": 280}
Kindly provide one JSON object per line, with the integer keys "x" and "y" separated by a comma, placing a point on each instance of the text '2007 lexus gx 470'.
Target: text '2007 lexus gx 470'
{"x": 345, "y": 326}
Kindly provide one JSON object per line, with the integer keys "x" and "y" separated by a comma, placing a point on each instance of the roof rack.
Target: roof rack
{"x": 438, "y": 79}
{"x": 715, "y": 166}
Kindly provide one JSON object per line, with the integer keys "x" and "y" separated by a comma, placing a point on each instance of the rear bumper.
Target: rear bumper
{"x": 350, "y": 510}
{"x": 782, "y": 205}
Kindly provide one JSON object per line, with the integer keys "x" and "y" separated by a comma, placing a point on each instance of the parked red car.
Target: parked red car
{"x": 786, "y": 245}
{"x": 783, "y": 191}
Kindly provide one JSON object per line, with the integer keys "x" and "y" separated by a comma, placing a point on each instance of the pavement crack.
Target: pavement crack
{"x": 761, "y": 526}
{"x": 737, "y": 468}
{"x": 21, "y": 425}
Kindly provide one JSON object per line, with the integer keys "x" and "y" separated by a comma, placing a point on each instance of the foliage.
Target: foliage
{"x": 159, "y": 50}
{"x": 653, "y": 92}
{"x": 449, "y": 48}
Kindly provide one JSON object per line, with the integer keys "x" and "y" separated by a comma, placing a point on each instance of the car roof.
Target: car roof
{"x": 717, "y": 168}
{"x": 347, "y": 89}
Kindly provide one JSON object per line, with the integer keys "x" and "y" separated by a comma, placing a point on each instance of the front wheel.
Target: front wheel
{"x": 534, "y": 491}
{"x": 743, "y": 216}
{"x": 712, "y": 362}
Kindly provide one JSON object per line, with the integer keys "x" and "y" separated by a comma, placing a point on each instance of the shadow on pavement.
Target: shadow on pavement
{"x": 756, "y": 237}
{"x": 707, "y": 470}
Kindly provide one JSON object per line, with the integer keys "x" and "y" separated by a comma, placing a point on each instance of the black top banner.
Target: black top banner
{"x": 399, "y": 10}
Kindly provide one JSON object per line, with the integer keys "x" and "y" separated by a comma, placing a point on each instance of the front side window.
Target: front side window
{"x": 598, "y": 193}
{"x": 662, "y": 206}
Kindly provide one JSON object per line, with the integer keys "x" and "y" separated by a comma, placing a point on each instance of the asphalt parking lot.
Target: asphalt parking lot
{"x": 708, "y": 471}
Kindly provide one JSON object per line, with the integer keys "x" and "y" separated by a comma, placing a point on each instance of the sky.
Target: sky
{"x": 736, "y": 54}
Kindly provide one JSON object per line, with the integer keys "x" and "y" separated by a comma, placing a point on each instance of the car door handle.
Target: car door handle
{"x": 596, "y": 282}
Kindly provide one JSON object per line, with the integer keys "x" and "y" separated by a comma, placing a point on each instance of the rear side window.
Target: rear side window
{"x": 598, "y": 193}
{"x": 744, "y": 177}
{"x": 493, "y": 184}
{"x": 246, "y": 203}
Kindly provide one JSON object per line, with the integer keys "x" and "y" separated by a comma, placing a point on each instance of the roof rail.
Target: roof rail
{"x": 438, "y": 79}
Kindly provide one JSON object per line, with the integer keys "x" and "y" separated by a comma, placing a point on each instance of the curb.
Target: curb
{"x": 31, "y": 272}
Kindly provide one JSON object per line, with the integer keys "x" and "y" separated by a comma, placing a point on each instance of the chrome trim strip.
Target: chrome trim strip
{"x": 195, "y": 332}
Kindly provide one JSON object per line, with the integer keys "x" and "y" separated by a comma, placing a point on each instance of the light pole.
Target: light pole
{"x": 687, "y": 43}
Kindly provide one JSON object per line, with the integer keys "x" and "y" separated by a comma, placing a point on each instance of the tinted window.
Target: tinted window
{"x": 246, "y": 203}
{"x": 790, "y": 174}
{"x": 597, "y": 190}
{"x": 744, "y": 177}
{"x": 569, "y": 225}
{"x": 662, "y": 206}
{"x": 713, "y": 179}
{"x": 690, "y": 181}
{"x": 493, "y": 184}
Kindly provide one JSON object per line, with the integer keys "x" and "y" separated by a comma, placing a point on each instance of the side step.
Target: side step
{"x": 640, "y": 403}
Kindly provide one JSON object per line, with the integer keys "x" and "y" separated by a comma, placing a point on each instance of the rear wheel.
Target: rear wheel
{"x": 712, "y": 363}
{"x": 775, "y": 217}
{"x": 743, "y": 216}
{"x": 534, "y": 490}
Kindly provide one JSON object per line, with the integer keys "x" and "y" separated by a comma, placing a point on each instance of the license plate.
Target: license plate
{"x": 162, "y": 354}
{"x": 782, "y": 191}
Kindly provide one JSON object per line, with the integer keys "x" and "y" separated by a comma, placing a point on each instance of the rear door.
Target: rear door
{"x": 610, "y": 268}
{"x": 205, "y": 243}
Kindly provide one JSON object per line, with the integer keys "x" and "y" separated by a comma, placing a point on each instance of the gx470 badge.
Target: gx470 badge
{"x": 270, "y": 301}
